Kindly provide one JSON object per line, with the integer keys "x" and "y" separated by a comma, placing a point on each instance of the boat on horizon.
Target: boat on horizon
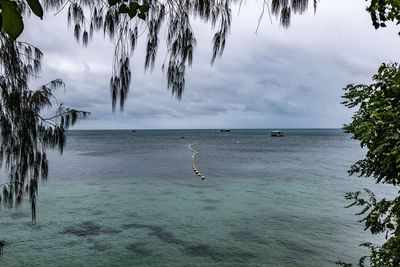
{"x": 277, "y": 133}
{"x": 225, "y": 130}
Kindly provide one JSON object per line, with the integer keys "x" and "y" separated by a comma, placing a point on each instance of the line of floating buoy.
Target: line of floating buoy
{"x": 193, "y": 165}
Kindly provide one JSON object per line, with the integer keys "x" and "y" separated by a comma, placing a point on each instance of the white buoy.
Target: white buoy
{"x": 193, "y": 164}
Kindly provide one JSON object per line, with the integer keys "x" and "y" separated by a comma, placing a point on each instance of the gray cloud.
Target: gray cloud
{"x": 275, "y": 78}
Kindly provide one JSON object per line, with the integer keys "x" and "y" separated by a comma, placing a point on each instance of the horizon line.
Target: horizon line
{"x": 177, "y": 129}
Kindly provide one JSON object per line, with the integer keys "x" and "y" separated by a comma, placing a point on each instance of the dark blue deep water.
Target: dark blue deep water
{"x": 117, "y": 198}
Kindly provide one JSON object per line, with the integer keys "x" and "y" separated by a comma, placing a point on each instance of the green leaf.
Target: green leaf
{"x": 144, "y": 8}
{"x": 12, "y": 19}
{"x": 134, "y": 5}
{"x": 132, "y": 12}
{"x": 123, "y": 9}
{"x": 112, "y": 2}
{"x": 142, "y": 16}
{"x": 36, "y": 8}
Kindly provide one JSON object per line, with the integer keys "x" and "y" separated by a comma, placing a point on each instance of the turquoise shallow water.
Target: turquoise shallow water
{"x": 124, "y": 199}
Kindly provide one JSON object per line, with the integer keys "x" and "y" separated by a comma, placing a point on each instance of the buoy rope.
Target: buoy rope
{"x": 193, "y": 165}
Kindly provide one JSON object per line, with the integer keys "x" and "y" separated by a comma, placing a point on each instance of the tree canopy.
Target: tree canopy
{"x": 25, "y": 134}
{"x": 376, "y": 125}
{"x": 383, "y": 11}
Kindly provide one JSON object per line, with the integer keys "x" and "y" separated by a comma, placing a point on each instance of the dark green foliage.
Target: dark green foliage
{"x": 383, "y": 11}
{"x": 25, "y": 134}
{"x": 123, "y": 9}
{"x": 112, "y": 2}
{"x": 11, "y": 19}
{"x": 376, "y": 125}
{"x": 11, "y": 15}
{"x": 36, "y": 7}
{"x": 382, "y": 217}
{"x": 133, "y": 8}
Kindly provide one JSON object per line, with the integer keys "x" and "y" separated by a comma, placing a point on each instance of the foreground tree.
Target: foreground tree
{"x": 25, "y": 134}
{"x": 376, "y": 125}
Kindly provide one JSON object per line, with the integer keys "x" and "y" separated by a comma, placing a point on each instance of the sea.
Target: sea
{"x": 124, "y": 198}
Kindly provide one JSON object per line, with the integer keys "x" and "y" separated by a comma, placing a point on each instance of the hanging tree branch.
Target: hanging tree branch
{"x": 25, "y": 135}
{"x": 120, "y": 21}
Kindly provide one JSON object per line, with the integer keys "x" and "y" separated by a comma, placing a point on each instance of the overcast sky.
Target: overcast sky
{"x": 277, "y": 78}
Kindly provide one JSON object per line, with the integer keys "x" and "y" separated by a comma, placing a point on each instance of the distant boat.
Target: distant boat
{"x": 225, "y": 130}
{"x": 134, "y": 131}
{"x": 277, "y": 133}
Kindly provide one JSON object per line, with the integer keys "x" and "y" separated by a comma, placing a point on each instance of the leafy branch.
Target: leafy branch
{"x": 383, "y": 11}
{"x": 25, "y": 134}
{"x": 122, "y": 20}
{"x": 376, "y": 125}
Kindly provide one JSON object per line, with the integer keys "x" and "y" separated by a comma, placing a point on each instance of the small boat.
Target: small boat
{"x": 225, "y": 130}
{"x": 134, "y": 131}
{"x": 277, "y": 133}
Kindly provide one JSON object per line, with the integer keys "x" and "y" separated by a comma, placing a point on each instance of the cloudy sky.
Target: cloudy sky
{"x": 275, "y": 78}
